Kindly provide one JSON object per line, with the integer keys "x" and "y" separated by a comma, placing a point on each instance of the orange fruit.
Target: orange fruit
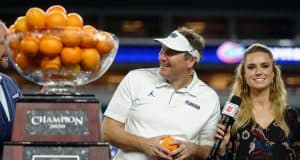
{"x": 51, "y": 45}
{"x": 35, "y": 18}
{"x": 70, "y": 55}
{"x": 74, "y": 19}
{"x": 56, "y": 7}
{"x": 71, "y": 36}
{"x": 55, "y": 19}
{"x": 30, "y": 45}
{"x": 166, "y": 143}
{"x": 90, "y": 59}
{"x": 24, "y": 62}
{"x": 89, "y": 38}
{"x": 20, "y": 24}
{"x": 104, "y": 43}
{"x": 14, "y": 46}
{"x": 48, "y": 63}
{"x": 74, "y": 68}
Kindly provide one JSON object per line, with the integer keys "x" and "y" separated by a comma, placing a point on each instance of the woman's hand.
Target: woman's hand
{"x": 224, "y": 136}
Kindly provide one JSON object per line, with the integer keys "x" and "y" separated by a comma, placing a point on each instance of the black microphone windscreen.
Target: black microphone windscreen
{"x": 232, "y": 108}
{"x": 236, "y": 100}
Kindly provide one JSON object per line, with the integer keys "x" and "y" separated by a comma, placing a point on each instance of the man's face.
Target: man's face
{"x": 3, "y": 55}
{"x": 173, "y": 64}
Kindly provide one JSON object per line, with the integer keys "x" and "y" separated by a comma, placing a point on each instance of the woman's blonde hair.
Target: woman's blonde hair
{"x": 277, "y": 93}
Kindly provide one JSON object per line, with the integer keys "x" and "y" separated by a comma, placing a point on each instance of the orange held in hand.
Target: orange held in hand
{"x": 166, "y": 143}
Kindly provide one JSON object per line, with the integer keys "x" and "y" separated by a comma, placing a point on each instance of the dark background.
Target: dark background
{"x": 276, "y": 5}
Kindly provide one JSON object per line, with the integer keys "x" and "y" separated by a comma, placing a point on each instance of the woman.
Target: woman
{"x": 260, "y": 132}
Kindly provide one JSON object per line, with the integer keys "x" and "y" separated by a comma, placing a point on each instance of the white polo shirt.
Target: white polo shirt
{"x": 151, "y": 107}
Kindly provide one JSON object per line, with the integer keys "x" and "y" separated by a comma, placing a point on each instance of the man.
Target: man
{"x": 151, "y": 104}
{"x": 9, "y": 93}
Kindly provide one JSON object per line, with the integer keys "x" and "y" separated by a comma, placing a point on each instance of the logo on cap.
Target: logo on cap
{"x": 173, "y": 35}
{"x": 151, "y": 94}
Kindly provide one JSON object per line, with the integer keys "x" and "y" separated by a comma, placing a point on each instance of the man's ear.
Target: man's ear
{"x": 192, "y": 62}
{"x": 3, "y": 32}
{"x": 3, "y": 29}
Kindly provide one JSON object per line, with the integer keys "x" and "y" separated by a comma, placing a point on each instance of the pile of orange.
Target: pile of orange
{"x": 55, "y": 39}
{"x": 166, "y": 143}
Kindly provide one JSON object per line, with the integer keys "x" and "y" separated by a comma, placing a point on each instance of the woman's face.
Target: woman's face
{"x": 259, "y": 71}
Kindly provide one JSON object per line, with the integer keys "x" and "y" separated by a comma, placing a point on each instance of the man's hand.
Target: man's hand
{"x": 184, "y": 151}
{"x": 113, "y": 132}
{"x": 155, "y": 150}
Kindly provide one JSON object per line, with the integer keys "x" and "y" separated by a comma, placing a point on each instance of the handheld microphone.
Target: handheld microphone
{"x": 229, "y": 112}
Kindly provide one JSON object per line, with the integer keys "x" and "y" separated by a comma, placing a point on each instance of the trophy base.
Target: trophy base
{"x": 61, "y": 88}
{"x": 56, "y": 151}
{"x": 57, "y": 118}
{"x": 75, "y": 97}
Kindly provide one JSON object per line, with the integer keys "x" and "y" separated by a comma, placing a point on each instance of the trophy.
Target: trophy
{"x": 59, "y": 123}
{"x": 60, "y": 70}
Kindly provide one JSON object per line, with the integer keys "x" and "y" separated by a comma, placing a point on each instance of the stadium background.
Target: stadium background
{"x": 274, "y": 23}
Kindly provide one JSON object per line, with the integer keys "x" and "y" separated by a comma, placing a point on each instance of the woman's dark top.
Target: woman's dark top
{"x": 259, "y": 143}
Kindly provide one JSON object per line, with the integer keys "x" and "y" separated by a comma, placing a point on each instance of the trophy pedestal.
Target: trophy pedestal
{"x": 56, "y": 151}
{"x": 57, "y": 127}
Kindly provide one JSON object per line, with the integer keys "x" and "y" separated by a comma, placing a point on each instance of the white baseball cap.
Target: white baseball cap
{"x": 176, "y": 41}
